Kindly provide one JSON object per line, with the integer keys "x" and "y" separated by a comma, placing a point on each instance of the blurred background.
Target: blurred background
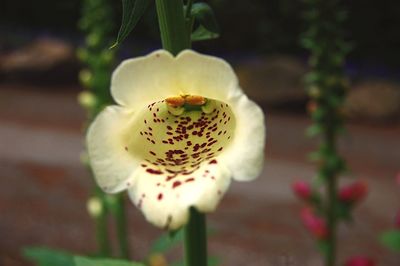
{"x": 44, "y": 187}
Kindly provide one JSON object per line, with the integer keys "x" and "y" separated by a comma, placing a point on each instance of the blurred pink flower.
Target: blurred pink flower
{"x": 360, "y": 261}
{"x": 302, "y": 190}
{"x": 397, "y": 220}
{"x": 353, "y": 192}
{"x": 316, "y": 225}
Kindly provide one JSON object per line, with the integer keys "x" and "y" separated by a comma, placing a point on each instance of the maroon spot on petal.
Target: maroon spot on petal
{"x": 189, "y": 180}
{"x": 152, "y": 153}
{"x": 145, "y": 121}
{"x": 176, "y": 184}
{"x": 126, "y": 148}
{"x": 220, "y": 149}
{"x": 213, "y": 161}
{"x": 160, "y": 196}
{"x": 150, "y": 129}
{"x": 169, "y": 127}
{"x": 153, "y": 171}
{"x": 143, "y": 165}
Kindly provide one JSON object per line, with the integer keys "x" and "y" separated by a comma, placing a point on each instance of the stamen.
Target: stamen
{"x": 175, "y": 101}
{"x": 195, "y": 100}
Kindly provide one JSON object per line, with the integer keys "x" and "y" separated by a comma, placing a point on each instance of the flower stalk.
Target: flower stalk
{"x": 95, "y": 78}
{"x": 327, "y": 88}
{"x": 175, "y": 37}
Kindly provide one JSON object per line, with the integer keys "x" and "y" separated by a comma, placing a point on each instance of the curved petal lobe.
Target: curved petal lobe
{"x": 109, "y": 158}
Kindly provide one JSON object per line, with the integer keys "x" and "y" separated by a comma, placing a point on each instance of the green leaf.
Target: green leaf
{"x": 84, "y": 261}
{"x": 202, "y": 34}
{"x": 208, "y": 26}
{"x": 132, "y": 11}
{"x": 391, "y": 239}
{"x": 166, "y": 242}
{"x": 48, "y": 257}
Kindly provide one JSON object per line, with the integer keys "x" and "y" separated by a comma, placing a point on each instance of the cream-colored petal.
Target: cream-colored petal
{"x": 144, "y": 79}
{"x": 244, "y": 157}
{"x": 206, "y": 75}
{"x": 165, "y": 198}
{"x": 106, "y": 138}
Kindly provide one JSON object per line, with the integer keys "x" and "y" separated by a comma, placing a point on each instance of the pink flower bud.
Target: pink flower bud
{"x": 316, "y": 225}
{"x": 302, "y": 190}
{"x": 397, "y": 220}
{"x": 359, "y": 261}
{"x": 354, "y": 192}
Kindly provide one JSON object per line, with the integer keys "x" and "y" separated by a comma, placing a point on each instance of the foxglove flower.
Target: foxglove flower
{"x": 181, "y": 131}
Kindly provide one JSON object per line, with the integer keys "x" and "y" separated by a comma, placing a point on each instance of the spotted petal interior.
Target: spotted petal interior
{"x": 179, "y": 149}
{"x": 177, "y": 145}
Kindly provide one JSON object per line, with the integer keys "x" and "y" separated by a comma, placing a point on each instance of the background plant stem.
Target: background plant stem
{"x": 97, "y": 24}
{"x": 175, "y": 37}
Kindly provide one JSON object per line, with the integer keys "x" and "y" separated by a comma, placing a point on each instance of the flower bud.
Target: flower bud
{"x": 94, "y": 207}
{"x": 354, "y": 192}
{"x": 302, "y": 190}
{"x": 316, "y": 225}
{"x": 360, "y": 261}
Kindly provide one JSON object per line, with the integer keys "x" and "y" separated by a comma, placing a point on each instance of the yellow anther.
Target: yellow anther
{"x": 175, "y": 101}
{"x": 195, "y": 100}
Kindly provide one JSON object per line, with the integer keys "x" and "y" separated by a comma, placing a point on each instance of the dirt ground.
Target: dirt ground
{"x": 44, "y": 188}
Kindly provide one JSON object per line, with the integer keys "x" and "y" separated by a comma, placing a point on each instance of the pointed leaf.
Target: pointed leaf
{"x": 84, "y": 261}
{"x": 132, "y": 11}
{"x": 166, "y": 242}
{"x": 48, "y": 257}
{"x": 202, "y": 34}
{"x": 208, "y": 26}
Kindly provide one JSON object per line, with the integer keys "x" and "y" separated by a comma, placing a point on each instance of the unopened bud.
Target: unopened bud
{"x": 87, "y": 99}
{"x": 302, "y": 190}
{"x": 360, "y": 261}
{"x": 354, "y": 192}
{"x": 94, "y": 207}
{"x": 316, "y": 225}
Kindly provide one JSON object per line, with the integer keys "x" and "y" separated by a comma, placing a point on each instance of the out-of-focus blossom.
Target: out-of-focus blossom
{"x": 302, "y": 190}
{"x": 360, "y": 261}
{"x": 397, "y": 220}
{"x": 354, "y": 192}
{"x": 316, "y": 225}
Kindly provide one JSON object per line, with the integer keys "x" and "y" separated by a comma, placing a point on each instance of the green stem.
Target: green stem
{"x": 101, "y": 226}
{"x": 332, "y": 200}
{"x": 118, "y": 210}
{"x": 195, "y": 239}
{"x": 175, "y": 36}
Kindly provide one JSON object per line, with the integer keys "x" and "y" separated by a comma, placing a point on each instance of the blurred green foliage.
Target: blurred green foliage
{"x": 256, "y": 25}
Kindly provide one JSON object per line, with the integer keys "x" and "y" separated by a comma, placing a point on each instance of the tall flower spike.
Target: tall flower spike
{"x": 183, "y": 128}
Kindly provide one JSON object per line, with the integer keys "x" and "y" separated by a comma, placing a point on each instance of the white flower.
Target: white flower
{"x": 183, "y": 128}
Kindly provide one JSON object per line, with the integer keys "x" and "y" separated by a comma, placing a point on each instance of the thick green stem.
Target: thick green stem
{"x": 117, "y": 209}
{"x": 120, "y": 218}
{"x": 196, "y": 239}
{"x": 101, "y": 225}
{"x": 175, "y": 36}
